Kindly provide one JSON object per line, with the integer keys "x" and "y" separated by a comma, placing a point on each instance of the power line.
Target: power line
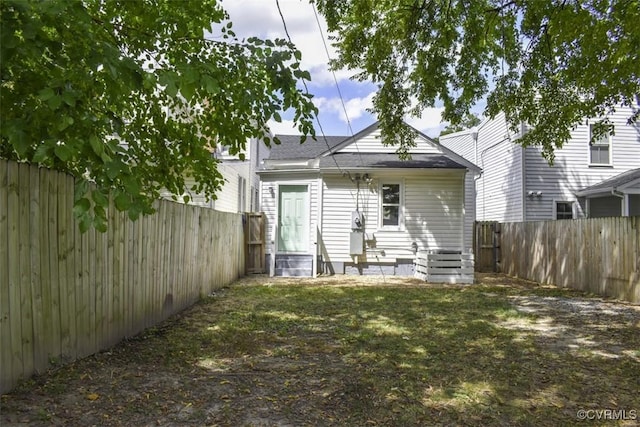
{"x": 335, "y": 80}
{"x": 304, "y": 83}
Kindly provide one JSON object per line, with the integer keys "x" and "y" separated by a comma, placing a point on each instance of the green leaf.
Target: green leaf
{"x": 69, "y": 98}
{"x": 96, "y": 145}
{"x": 46, "y": 94}
{"x": 43, "y": 152}
{"x": 99, "y": 198}
{"x": 65, "y": 122}
{"x": 113, "y": 169}
{"x": 122, "y": 202}
{"x": 85, "y": 223}
{"x": 63, "y": 152}
{"x": 81, "y": 207}
{"x": 187, "y": 89}
{"x": 54, "y": 102}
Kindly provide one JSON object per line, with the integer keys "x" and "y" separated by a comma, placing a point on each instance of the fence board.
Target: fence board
{"x": 24, "y": 246}
{"x": 7, "y": 373}
{"x": 36, "y": 281}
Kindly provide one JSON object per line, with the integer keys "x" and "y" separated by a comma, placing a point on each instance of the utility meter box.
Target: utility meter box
{"x": 357, "y": 220}
{"x": 356, "y": 243}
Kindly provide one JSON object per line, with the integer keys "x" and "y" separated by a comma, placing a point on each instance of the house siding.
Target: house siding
{"x": 372, "y": 143}
{"x": 428, "y": 220}
{"x": 231, "y": 168}
{"x": 462, "y": 143}
{"x": 500, "y": 186}
{"x": 197, "y": 199}
{"x": 571, "y": 171}
{"x": 469, "y": 209}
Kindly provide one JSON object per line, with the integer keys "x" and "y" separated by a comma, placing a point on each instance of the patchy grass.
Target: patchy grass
{"x": 341, "y": 351}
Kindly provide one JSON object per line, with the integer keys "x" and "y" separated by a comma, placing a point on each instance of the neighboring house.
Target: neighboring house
{"x": 349, "y": 205}
{"x": 587, "y": 179}
{"x": 239, "y": 192}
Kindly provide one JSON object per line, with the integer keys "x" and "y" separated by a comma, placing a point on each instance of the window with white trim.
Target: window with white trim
{"x": 564, "y": 210}
{"x": 599, "y": 148}
{"x": 391, "y": 204}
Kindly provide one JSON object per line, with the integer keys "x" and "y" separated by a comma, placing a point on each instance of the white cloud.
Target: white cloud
{"x": 286, "y": 127}
{"x": 261, "y": 18}
{"x": 429, "y": 122}
{"x": 355, "y": 107}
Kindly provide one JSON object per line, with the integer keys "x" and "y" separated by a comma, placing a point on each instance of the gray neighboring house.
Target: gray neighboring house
{"x": 349, "y": 205}
{"x": 587, "y": 179}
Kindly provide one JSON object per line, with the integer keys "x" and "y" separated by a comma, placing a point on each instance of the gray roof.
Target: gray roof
{"x": 325, "y": 147}
{"x": 291, "y": 149}
{"x": 611, "y": 183}
{"x": 389, "y": 160}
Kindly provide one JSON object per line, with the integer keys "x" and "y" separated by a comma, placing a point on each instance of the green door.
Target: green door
{"x": 293, "y": 223}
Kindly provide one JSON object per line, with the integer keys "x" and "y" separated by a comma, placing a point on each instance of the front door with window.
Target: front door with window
{"x": 293, "y": 223}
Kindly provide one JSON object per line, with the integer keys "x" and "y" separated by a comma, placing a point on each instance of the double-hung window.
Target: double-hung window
{"x": 599, "y": 148}
{"x": 391, "y": 204}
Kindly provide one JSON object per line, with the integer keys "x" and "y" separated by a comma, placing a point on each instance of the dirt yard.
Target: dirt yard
{"x": 357, "y": 351}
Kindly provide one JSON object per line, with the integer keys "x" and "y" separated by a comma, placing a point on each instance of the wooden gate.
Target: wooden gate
{"x": 254, "y": 237}
{"x": 486, "y": 246}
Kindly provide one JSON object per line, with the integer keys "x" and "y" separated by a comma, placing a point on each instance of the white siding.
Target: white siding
{"x": 231, "y": 169}
{"x": 461, "y": 143}
{"x": 433, "y": 215}
{"x": 571, "y": 171}
{"x": 269, "y": 204}
{"x": 194, "y": 198}
{"x": 339, "y": 201}
{"x": 499, "y": 189}
{"x": 469, "y": 209}
{"x": 372, "y": 143}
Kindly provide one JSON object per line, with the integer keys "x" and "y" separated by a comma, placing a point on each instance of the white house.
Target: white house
{"x": 240, "y": 192}
{"x": 587, "y": 179}
{"x": 350, "y": 205}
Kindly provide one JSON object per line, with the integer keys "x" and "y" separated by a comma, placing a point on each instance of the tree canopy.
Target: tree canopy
{"x": 133, "y": 96}
{"x": 547, "y": 63}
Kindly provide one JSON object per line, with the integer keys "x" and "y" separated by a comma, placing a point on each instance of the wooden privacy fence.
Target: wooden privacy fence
{"x": 599, "y": 255}
{"x": 66, "y": 295}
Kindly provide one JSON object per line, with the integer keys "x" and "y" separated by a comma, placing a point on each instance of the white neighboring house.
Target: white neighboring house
{"x": 239, "y": 192}
{"x": 586, "y": 180}
{"x": 350, "y": 205}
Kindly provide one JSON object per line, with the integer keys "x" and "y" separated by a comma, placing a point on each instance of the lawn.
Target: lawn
{"x": 347, "y": 351}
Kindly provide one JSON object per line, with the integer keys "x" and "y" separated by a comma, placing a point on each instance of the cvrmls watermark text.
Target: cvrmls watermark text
{"x": 607, "y": 414}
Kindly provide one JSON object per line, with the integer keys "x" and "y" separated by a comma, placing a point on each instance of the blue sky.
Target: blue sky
{"x": 261, "y": 18}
